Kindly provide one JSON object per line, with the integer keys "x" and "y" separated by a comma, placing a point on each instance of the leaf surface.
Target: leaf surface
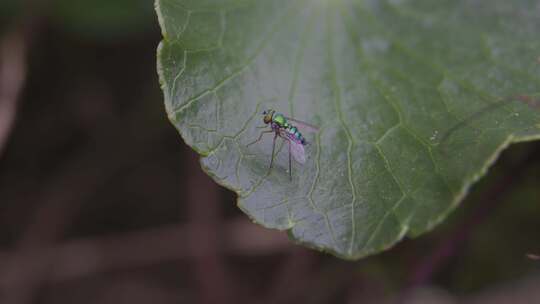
{"x": 414, "y": 100}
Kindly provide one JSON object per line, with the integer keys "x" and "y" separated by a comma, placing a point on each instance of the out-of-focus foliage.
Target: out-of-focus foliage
{"x": 497, "y": 249}
{"x": 9, "y": 9}
{"x": 103, "y": 18}
{"x": 99, "y": 19}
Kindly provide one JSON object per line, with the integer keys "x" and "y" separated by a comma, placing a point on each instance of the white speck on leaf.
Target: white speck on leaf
{"x": 434, "y": 135}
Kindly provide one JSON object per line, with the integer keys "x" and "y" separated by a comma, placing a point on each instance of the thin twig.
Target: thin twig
{"x": 532, "y": 256}
{"x": 532, "y": 102}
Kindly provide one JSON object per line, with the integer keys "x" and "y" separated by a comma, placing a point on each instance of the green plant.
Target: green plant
{"x": 414, "y": 99}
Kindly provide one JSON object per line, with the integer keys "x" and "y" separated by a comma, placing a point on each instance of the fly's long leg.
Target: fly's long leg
{"x": 273, "y": 150}
{"x": 260, "y": 136}
{"x": 290, "y": 163}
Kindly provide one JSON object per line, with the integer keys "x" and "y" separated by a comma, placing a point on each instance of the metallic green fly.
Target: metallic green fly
{"x": 287, "y": 129}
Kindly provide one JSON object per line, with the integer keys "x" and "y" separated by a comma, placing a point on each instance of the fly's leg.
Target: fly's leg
{"x": 290, "y": 163}
{"x": 260, "y": 136}
{"x": 273, "y": 150}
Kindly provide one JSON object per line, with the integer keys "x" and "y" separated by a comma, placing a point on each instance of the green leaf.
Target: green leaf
{"x": 414, "y": 100}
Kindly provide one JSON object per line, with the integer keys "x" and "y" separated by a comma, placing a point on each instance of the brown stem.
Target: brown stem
{"x": 204, "y": 235}
{"x": 13, "y": 48}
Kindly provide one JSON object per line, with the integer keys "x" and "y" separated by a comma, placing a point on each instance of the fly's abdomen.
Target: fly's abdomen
{"x": 295, "y": 134}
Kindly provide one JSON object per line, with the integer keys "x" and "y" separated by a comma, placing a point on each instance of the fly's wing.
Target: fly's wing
{"x": 303, "y": 125}
{"x": 298, "y": 152}
{"x": 297, "y": 148}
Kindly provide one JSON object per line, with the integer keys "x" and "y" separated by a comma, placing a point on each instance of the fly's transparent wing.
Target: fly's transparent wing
{"x": 303, "y": 125}
{"x": 297, "y": 151}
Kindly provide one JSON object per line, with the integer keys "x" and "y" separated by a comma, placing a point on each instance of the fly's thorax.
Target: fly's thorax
{"x": 280, "y": 120}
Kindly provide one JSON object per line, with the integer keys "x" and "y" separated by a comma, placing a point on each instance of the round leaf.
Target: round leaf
{"x": 414, "y": 100}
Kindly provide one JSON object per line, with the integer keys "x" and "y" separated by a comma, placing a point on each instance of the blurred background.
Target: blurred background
{"x": 102, "y": 202}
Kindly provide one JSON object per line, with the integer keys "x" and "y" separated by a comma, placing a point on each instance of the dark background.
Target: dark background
{"x": 102, "y": 202}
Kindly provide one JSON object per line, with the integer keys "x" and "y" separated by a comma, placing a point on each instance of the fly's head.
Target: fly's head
{"x": 268, "y": 114}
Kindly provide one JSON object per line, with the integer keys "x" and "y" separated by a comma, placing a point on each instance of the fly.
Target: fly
{"x": 287, "y": 129}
